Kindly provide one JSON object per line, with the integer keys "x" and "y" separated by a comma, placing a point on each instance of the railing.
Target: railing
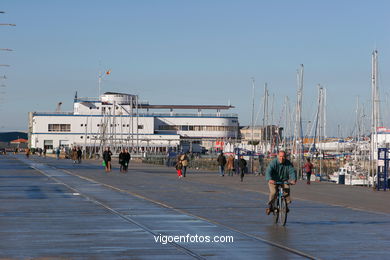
{"x": 188, "y": 114}
{"x": 55, "y": 113}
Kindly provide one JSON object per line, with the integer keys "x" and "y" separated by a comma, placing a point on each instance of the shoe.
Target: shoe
{"x": 268, "y": 211}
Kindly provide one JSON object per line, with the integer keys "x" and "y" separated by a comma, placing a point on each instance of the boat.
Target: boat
{"x": 353, "y": 175}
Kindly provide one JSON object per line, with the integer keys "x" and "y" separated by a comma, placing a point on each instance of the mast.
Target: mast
{"x": 253, "y": 121}
{"x": 298, "y": 131}
{"x": 374, "y": 111}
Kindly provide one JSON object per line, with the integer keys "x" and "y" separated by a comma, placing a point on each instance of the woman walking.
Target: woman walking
{"x": 178, "y": 167}
{"x": 308, "y": 169}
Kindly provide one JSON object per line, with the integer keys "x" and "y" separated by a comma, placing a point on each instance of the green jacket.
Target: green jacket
{"x": 280, "y": 171}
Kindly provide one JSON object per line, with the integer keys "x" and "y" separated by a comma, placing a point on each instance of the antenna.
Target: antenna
{"x": 58, "y": 109}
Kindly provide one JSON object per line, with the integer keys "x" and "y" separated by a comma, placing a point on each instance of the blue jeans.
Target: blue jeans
{"x": 221, "y": 170}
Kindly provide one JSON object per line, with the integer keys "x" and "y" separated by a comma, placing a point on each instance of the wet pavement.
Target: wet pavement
{"x": 55, "y": 209}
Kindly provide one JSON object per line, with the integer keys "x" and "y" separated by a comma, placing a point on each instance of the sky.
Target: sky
{"x": 194, "y": 52}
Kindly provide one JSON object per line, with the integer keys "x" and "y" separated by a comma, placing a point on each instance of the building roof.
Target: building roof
{"x": 20, "y": 140}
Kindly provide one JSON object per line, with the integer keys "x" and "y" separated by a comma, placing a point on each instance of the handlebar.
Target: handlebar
{"x": 282, "y": 182}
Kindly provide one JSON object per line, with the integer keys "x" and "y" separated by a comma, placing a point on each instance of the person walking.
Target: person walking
{"x": 107, "y": 159}
{"x": 184, "y": 161}
{"x": 308, "y": 167}
{"x": 126, "y": 158}
{"x": 230, "y": 165}
{"x": 74, "y": 155}
{"x": 79, "y": 155}
{"x": 179, "y": 167}
{"x": 279, "y": 170}
{"x": 58, "y": 153}
{"x": 28, "y": 153}
{"x": 221, "y": 164}
{"x": 242, "y": 164}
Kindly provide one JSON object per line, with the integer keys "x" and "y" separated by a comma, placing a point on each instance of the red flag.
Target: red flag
{"x": 108, "y": 72}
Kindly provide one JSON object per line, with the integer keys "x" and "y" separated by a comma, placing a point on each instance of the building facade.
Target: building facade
{"x": 119, "y": 120}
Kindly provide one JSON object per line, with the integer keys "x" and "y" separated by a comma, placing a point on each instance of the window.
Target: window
{"x": 140, "y": 127}
{"x": 48, "y": 144}
{"x": 184, "y": 127}
{"x": 82, "y": 124}
{"x": 59, "y": 127}
{"x": 81, "y": 137}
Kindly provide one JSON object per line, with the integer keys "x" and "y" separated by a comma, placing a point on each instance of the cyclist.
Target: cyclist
{"x": 279, "y": 170}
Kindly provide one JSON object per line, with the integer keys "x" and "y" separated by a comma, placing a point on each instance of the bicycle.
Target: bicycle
{"x": 280, "y": 209}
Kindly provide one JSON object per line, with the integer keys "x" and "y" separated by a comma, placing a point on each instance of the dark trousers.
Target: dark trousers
{"x": 308, "y": 177}
{"x": 184, "y": 171}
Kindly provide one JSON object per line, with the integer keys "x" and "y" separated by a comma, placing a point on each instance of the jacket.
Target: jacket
{"x": 221, "y": 160}
{"x": 107, "y": 155}
{"x": 280, "y": 171}
{"x": 184, "y": 159}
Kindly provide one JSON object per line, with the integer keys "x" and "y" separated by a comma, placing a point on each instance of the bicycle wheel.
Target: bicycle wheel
{"x": 283, "y": 211}
{"x": 276, "y": 210}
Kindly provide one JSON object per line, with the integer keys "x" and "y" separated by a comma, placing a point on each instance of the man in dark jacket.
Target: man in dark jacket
{"x": 242, "y": 165}
{"x": 79, "y": 155}
{"x": 221, "y": 164}
{"x": 279, "y": 170}
{"x": 107, "y": 159}
{"x": 124, "y": 159}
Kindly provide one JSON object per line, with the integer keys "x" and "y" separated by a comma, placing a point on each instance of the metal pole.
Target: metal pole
{"x": 253, "y": 121}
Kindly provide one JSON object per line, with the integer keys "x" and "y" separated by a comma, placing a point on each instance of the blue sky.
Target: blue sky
{"x": 193, "y": 52}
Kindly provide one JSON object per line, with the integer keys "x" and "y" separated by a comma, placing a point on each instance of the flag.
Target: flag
{"x": 108, "y": 72}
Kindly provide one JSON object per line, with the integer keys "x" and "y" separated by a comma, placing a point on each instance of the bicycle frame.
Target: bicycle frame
{"x": 280, "y": 205}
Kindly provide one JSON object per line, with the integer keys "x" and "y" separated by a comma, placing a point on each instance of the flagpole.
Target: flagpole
{"x": 99, "y": 80}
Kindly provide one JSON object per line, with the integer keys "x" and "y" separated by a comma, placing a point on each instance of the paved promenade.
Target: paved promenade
{"x": 53, "y": 209}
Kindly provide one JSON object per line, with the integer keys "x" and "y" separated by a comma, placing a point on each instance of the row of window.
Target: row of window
{"x": 197, "y": 128}
{"x": 59, "y": 127}
{"x": 111, "y": 125}
{"x": 66, "y": 127}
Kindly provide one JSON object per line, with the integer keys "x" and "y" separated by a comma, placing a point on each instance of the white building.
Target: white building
{"x": 119, "y": 120}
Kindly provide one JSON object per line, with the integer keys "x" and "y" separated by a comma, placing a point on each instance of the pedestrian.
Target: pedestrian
{"x": 127, "y": 158}
{"x": 74, "y": 155}
{"x": 184, "y": 161}
{"x": 230, "y": 165}
{"x": 242, "y": 165}
{"x": 308, "y": 167}
{"x": 179, "y": 167}
{"x": 40, "y": 152}
{"x": 28, "y": 153}
{"x": 79, "y": 154}
{"x": 107, "y": 159}
{"x": 124, "y": 158}
{"x": 221, "y": 164}
{"x": 44, "y": 152}
{"x": 58, "y": 153}
{"x": 261, "y": 165}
